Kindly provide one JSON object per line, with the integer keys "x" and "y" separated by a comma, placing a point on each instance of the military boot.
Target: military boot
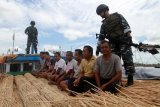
{"x": 35, "y": 51}
{"x": 129, "y": 81}
{"x": 27, "y": 52}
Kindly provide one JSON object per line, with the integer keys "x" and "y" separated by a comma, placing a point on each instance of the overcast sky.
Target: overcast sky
{"x": 70, "y": 24}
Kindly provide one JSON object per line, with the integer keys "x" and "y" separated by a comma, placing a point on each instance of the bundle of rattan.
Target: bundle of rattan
{"x": 18, "y": 101}
{"x": 146, "y": 91}
{"x": 7, "y": 96}
{"x": 6, "y": 91}
{"x": 6, "y": 84}
{"x": 34, "y": 81}
{"x": 47, "y": 91}
{"x": 29, "y": 94}
{"x": 53, "y": 88}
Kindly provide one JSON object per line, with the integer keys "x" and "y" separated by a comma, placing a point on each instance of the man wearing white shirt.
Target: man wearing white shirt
{"x": 66, "y": 83}
{"x": 71, "y": 64}
{"x": 60, "y": 63}
{"x": 60, "y": 67}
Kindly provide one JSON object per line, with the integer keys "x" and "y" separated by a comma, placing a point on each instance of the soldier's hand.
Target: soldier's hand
{"x": 129, "y": 34}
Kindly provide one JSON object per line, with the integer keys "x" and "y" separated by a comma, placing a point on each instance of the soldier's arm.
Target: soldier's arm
{"x": 36, "y": 32}
{"x": 125, "y": 26}
{"x": 102, "y": 32}
{"x": 26, "y": 31}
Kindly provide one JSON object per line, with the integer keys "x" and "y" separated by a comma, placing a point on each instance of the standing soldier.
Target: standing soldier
{"x": 117, "y": 30}
{"x": 32, "y": 33}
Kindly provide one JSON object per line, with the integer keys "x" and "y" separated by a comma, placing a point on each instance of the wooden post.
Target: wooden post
{"x": 21, "y": 67}
{"x": 7, "y": 67}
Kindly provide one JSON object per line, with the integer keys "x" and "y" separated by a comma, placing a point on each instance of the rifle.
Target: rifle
{"x": 141, "y": 47}
{"x": 147, "y": 48}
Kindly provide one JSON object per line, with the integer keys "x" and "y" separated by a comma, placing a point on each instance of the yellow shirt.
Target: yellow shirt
{"x": 87, "y": 67}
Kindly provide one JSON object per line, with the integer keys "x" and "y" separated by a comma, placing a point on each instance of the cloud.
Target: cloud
{"x": 75, "y": 17}
{"x": 11, "y": 13}
{"x": 7, "y": 39}
{"x": 48, "y": 47}
{"x": 143, "y": 18}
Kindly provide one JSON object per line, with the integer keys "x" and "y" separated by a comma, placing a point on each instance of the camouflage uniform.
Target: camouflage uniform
{"x": 116, "y": 28}
{"x": 32, "y": 33}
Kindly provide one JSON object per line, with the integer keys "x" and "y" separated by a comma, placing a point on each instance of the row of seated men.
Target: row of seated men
{"x": 82, "y": 71}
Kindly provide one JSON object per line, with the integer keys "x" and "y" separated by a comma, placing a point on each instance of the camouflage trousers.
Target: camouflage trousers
{"x": 33, "y": 42}
{"x": 125, "y": 52}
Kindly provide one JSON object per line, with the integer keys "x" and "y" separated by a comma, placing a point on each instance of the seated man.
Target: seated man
{"x": 71, "y": 64}
{"x": 74, "y": 74}
{"x": 86, "y": 71}
{"x": 42, "y": 61}
{"x": 108, "y": 69}
{"x": 41, "y": 65}
{"x": 47, "y": 65}
{"x": 59, "y": 68}
{"x": 50, "y": 69}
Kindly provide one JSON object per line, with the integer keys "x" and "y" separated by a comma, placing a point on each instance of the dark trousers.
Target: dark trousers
{"x": 83, "y": 86}
{"x": 33, "y": 42}
{"x": 124, "y": 51}
{"x": 112, "y": 87}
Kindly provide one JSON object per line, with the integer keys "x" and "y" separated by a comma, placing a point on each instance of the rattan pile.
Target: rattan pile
{"x": 7, "y": 96}
{"x": 101, "y": 99}
{"x": 45, "y": 90}
{"x": 147, "y": 91}
{"x": 29, "y": 91}
{"x": 29, "y": 94}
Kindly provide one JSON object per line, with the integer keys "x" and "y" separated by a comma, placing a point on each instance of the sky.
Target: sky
{"x": 71, "y": 24}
